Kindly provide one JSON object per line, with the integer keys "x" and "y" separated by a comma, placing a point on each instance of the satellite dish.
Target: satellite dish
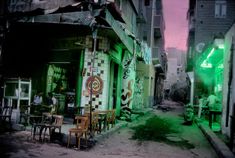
{"x": 199, "y": 47}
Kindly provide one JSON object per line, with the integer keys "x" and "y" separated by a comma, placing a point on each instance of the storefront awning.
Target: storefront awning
{"x": 124, "y": 34}
{"x": 109, "y": 17}
{"x": 71, "y": 18}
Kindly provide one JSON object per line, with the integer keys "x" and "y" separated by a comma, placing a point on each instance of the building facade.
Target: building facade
{"x": 228, "y": 112}
{"x": 208, "y": 20}
{"x": 176, "y": 69}
{"x": 87, "y": 53}
{"x": 209, "y": 59}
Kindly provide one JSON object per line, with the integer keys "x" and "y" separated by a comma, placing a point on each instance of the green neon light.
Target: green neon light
{"x": 221, "y": 46}
{"x": 211, "y": 52}
{"x": 206, "y": 65}
{"x": 221, "y": 66}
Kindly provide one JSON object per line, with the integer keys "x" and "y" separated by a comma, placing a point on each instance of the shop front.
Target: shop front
{"x": 209, "y": 76}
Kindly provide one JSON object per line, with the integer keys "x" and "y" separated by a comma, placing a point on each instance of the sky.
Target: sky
{"x": 175, "y": 15}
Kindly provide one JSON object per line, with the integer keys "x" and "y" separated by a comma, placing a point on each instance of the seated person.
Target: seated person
{"x": 37, "y": 100}
{"x": 36, "y": 104}
{"x": 52, "y": 102}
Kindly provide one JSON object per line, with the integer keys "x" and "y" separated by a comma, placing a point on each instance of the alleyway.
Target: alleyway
{"x": 119, "y": 144}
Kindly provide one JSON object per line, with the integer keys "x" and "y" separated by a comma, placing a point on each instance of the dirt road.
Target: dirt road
{"x": 118, "y": 145}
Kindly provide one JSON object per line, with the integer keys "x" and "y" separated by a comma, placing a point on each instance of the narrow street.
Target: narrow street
{"x": 192, "y": 143}
{"x": 162, "y": 70}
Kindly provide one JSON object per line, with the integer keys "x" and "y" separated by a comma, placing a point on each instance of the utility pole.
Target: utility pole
{"x": 152, "y": 90}
{"x": 94, "y": 30}
{"x": 94, "y": 36}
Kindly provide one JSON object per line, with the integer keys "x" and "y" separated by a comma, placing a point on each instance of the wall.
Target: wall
{"x": 128, "y": 81}
{"x": 227, "y": 68}
{"x": 145, "y": 74}
{"x": 172, "y": 71}
{"x": 207, "y": 25}
{"x": 99, "y": 101}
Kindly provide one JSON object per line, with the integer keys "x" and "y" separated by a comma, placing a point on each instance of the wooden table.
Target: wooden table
{"x": 102, "y": 118}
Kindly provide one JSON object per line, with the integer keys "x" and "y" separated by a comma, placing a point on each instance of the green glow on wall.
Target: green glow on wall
{"x": 205, "y": 64}
{"x": 209, "y": 67}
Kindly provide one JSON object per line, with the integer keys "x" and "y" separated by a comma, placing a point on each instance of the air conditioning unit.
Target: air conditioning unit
{"x": 110, "y": 1}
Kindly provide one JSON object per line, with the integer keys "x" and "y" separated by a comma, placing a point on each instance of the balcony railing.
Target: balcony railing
{"x": 158, "y": 26}
{"x": 192, "y": 23}
{"x": 158, "y": 58}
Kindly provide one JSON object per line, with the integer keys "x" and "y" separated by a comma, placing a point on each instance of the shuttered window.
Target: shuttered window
{"x": 220, "y": 9}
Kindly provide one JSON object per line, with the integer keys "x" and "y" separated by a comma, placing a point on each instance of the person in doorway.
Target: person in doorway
{"x": 212, "y": 101}
{"x": 214, "y": 109}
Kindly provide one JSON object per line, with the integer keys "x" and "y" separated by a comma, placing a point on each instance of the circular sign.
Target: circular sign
{"x": 97, "y": 84}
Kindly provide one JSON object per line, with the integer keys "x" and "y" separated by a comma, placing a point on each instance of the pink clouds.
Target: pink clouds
{"x": 175, "y": 12}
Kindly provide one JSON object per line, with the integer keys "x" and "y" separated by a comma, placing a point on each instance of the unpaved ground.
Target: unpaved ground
{"x": 118, "y": 145}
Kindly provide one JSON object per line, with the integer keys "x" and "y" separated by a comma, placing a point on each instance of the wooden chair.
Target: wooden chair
{"x": 80, "y": 129}
{"x": 111, "y": 118}
{"x": 94, "y": 122}
{"x": 56, "y": 123}
{"x": 102, "y": 120}
{"x": 24, "y": 114}
{"x": 39, "y": 124}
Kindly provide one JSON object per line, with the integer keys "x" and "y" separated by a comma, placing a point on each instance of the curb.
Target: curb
{"x": 107, "y": 133}
{"x": 219, "y": 146}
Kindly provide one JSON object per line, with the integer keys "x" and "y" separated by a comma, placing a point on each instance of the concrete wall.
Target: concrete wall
{"x": 228, "y": 60}
{"x": 99, "y": 101}
{"x": 147, "y": 74}
{"x": 207, "y": 26}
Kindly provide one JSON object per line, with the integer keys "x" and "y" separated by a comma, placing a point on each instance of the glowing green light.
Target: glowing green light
{"x": 206, "y": 65}
{"x": 221, "y": 66}
{"x": 221, "y": 46}
{"x": 211, "y": 52}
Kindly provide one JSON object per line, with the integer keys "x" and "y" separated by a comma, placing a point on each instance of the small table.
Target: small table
{"x": 34, "y": 120}
{"x": 102, "y": 118}
{"x": 43, "y": 126}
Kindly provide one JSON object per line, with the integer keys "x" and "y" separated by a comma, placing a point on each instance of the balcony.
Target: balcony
{"x": 192, "y": 24}
{"x": 158, "y": 26}
{"x": 158, "y": 59}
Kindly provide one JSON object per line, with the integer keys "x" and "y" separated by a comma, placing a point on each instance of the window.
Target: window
{"x": 178, "y": 70}
{"x": 220, "y": 9}
{"x": 146, "y": 2}
{"x": 145, "y": 35}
